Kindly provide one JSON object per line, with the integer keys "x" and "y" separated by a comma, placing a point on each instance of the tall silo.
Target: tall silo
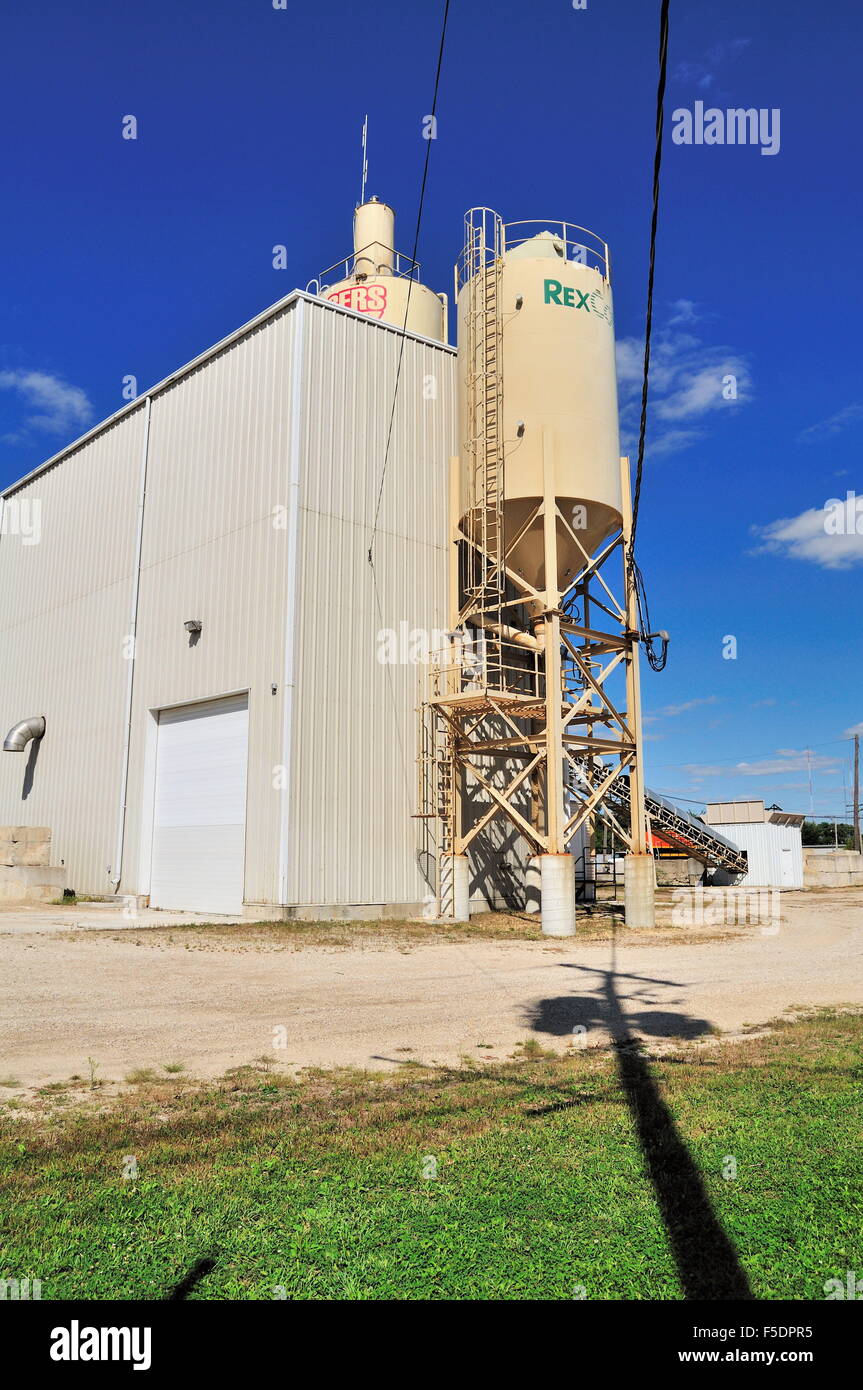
{"x": 540, "y": 510}
{"x": 382, "y": 283}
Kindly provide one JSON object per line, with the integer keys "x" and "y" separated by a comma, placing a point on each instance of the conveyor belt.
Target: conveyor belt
{"x": 685, "y": 832}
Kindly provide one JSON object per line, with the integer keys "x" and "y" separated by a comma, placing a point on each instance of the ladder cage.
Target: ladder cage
{"x": 479, "y": 273}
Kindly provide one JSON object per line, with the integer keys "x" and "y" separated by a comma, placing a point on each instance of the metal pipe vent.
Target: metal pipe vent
{"x": 20, "y": 734}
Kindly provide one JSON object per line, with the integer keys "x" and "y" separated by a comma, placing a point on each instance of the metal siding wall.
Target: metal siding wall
{"x": 66, "y": 605}
{"x": 218, "y": 466}
{"x": 764, "y": 842}
{"x": 351, "y": 836}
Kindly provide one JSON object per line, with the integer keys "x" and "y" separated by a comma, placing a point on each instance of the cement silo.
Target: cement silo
{"x": 540, "y": 505}
{"x": 559, "y": 399}
{"x": 379, "y": 281}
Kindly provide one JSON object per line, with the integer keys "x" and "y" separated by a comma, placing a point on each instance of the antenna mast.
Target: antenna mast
{"x": 365, "y": 159}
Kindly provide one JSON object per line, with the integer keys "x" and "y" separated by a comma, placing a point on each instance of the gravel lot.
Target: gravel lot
{"x": 212, "y": 998}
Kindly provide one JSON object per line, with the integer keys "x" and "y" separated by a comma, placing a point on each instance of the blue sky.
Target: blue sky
{"x": 130, "y": 257}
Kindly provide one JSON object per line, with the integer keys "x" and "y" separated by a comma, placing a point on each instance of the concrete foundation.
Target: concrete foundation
{"x": 679, "y": 873}
{"x": 461, "y": 887}
{"x": 557, "y": 879}
{"x": 331, "y": 912}
{"x": 639, "y": 889}
{"x": 454, "y": 888}
{"x": 26, "y": 874}
{"x": 835, "y": 869}
{"x": 28, "y": 845}
{"x": 27, "y": 883}
{"x": 533, "y": 884}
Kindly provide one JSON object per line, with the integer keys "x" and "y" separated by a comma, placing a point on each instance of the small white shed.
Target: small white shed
{"x": 772, "y": 840}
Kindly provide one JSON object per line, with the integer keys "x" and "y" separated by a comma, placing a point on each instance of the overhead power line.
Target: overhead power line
{"x": 411, "y": 279}
{"x": 657, "y": 659}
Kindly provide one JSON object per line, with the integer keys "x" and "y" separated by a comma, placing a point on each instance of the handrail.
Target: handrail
{"x": 594, "y": 248}
{"x": 480, "y": 662}
{"x": 411, "y": 269}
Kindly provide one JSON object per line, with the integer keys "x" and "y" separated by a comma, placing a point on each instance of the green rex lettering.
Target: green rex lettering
{"x": 555, "y": 293}
{"x": 570, "y": 298}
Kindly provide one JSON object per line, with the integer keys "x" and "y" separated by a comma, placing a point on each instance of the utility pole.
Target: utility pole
{"x": 857, "y": 792}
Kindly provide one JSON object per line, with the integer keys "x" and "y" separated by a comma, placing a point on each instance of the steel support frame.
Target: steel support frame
{"x": 564, "y": 731}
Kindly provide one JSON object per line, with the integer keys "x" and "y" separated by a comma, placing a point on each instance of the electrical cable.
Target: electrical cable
{"x": 410, "y": 281}
{"x": 657, "y": 659}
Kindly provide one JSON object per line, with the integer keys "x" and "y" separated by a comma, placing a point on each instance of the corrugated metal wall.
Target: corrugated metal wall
{"x": 352, "y": 838}
{"x": 65, "y": 613}
{"x": 217, "y": 475}
{"x": 217, "y": 546}
{"x": 764, "y": 844}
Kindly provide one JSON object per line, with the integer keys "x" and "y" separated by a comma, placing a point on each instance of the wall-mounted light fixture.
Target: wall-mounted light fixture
{"x": 193, "y": 624}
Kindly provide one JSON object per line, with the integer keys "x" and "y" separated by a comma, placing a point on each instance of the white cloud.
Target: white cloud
{"x": 673, "y": 442}
{"x": 855, "y": 729}
{"x": 702, "y": 73}
{"x": 700, "y": 389}
{"x": 727, "y": 48}
{"x": 834, "y": 424}
{"x": 687, "y": 382}
{"x": 805, "y": 537}
{"x": 630, "y": 361}
{"x": 685, "y": 311}
{"x": 57, "y": 407}
{"x": 694, "y": 72}
{"x": 673, "y": 710}
{"x": 789, "y": 760}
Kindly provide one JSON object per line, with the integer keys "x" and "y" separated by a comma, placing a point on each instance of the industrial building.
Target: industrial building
{"x": 199, "y": 625}
{"x": 233, "y": 598}
{"x": 771, "y": 839}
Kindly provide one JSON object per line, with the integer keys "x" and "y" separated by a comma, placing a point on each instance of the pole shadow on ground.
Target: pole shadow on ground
{"x": 707, "y": 1262}
{"x": 199, "y": 1271}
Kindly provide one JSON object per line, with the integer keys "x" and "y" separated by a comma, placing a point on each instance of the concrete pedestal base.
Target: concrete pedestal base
{"x": 533, "y": 884}
{"x": 557, "y": 877}
{"x": 639, "y": 887}
{"x": 455, "y": 888}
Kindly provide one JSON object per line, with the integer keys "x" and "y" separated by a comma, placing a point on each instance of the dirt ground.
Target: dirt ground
{"x": 83, "y": 992}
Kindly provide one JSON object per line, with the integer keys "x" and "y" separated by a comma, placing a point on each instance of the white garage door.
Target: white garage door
{"x": 199, "y": 818}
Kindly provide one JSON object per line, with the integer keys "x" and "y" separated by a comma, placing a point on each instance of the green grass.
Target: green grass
{"x": 141, "y": 1075}
{"x": 317, "y": 1186}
